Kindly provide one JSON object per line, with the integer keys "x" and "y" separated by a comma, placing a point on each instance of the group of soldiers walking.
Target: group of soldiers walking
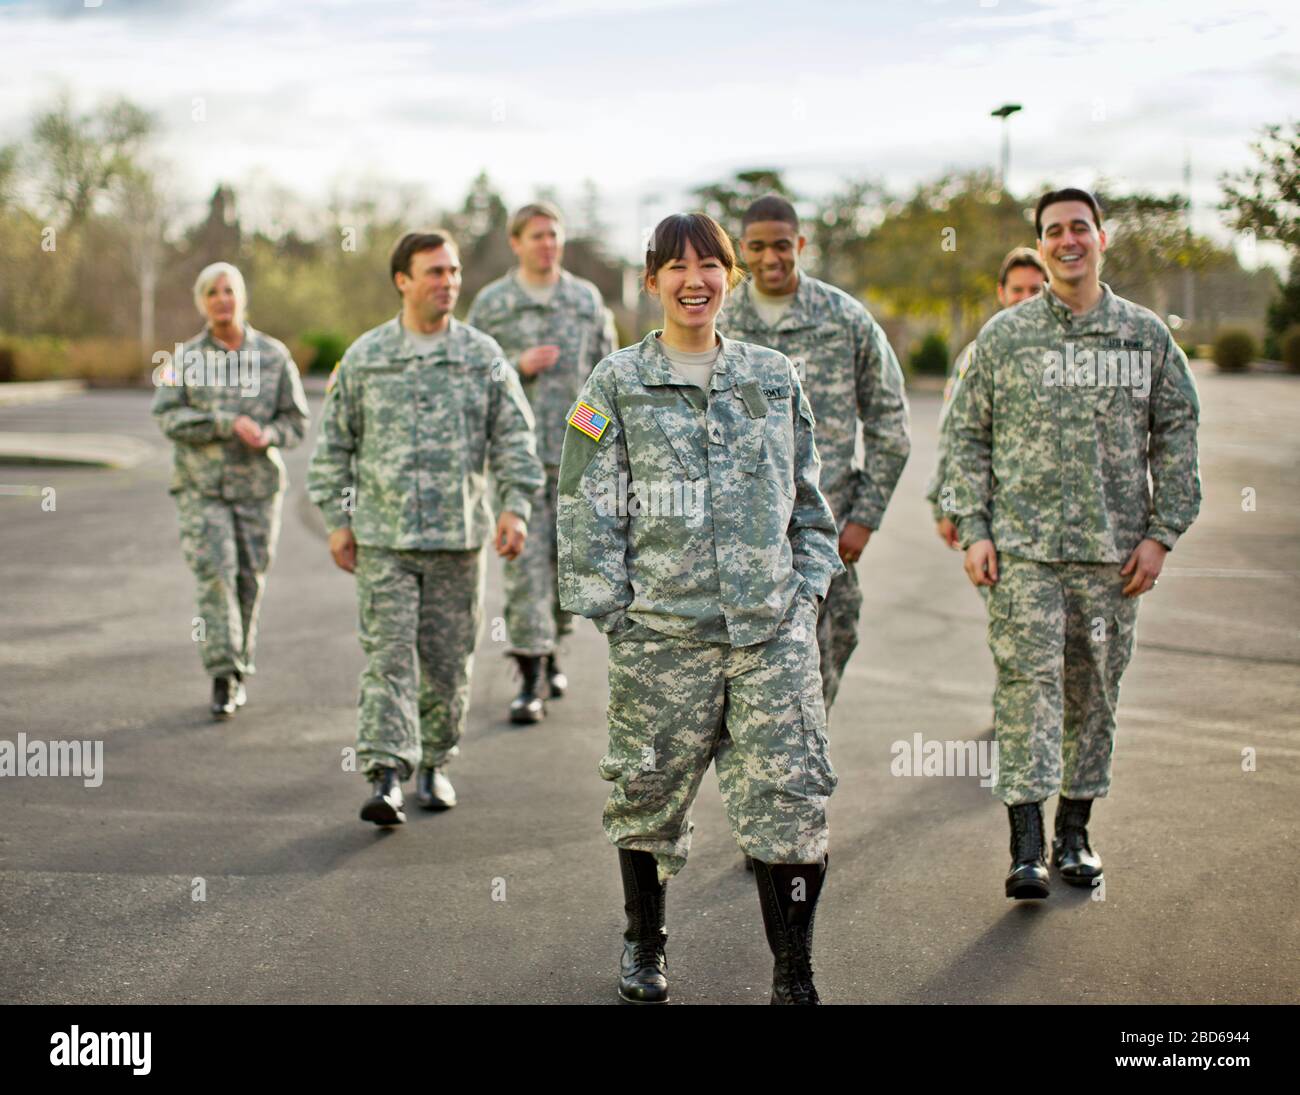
{"x": 697, "y": 495}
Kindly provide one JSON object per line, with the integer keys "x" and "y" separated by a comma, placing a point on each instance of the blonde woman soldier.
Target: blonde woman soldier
{"x": 693, "y": 533}
{"x": 230, "y": 402}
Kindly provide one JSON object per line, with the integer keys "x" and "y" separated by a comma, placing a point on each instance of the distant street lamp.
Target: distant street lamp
{"x": 1004, "y": 112}
{"x": 640, "y": 303}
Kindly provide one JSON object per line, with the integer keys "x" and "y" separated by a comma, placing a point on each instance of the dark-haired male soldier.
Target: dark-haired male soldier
{"x": 417, "y": 413}
{"x": 1069, "y": 401}
{"x": 553, "y": 327}
{"x": 853, "y": 381}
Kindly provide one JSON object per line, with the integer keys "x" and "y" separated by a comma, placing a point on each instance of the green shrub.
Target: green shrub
{"x": 1291, "y": 348}
{"x": 38, "y": 357}
{"x": 328, "y": 347}
{"x": 1188, "y": 348}
{"x": 1234, "y": 350}
{"x": 930, "y": 358}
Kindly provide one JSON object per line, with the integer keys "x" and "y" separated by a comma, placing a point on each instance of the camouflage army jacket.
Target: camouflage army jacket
{"x": 198, "y": 399}
{"x": 933, "y": 490}
{"x": 1056, "y": 425}
{"x": 576, "y": 320}
{"x": 852, "y": 380}
{"x": 407, "y": 440}
{"x": 697, "y": 514}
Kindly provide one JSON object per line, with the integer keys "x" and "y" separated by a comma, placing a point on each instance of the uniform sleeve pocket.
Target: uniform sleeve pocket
{"x": 776, "y": 458}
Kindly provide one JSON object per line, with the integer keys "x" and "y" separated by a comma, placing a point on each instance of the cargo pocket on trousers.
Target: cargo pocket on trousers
{"x": 819, "y": 777}
{"x": 636, "y": 764}
{"x": 998, "y": 602}
{"x": 1119, "y": 648}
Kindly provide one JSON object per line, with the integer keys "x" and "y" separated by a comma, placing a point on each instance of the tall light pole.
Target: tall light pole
{"x": 1189, "y": 279}
{"x": 1004, "y": 112}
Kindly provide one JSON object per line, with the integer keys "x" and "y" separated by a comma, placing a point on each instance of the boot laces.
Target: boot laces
{"x": 649, "y": 949}
{"x": 648, "y": 952}
{"x": 1076, "y": 839}
{"x": 1027, "y": 836}
{"x": 799, "y": 965}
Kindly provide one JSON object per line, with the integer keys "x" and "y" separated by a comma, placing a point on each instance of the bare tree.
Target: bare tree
{"x": 143, "y": 214}
{"x": 77, "y": 158}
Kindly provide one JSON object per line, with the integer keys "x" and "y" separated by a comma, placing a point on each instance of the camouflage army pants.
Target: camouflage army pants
{"x": 229, "y": 546}
{"x": 837, "y": 630}
{"x": 755, "y": 711}
{"x": 534, "y": 619}
{"x": 420, "y": 614}
{"x": 1061, "y": 636}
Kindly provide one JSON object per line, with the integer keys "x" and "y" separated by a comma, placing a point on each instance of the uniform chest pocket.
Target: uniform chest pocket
{"x": 774, "y": 458}
{"x": 259, "y": 399}
{"x": 678, "y": 433}
{"x": 461, "y": 388}
{"x": 1036, "y": 379}
{"x": 1117, "y": 403}
{"x": 1122, "y": 425}
{"x": 387, "y": 398}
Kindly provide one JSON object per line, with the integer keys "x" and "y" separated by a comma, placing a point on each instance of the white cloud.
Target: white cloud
{"x": 659, "y": 95}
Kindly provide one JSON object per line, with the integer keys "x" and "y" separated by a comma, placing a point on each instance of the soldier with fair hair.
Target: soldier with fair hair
{"x": 229, "y": 405}
{"x": 553, "y": 327}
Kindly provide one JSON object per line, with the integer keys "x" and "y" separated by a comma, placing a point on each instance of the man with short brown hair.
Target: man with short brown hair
{"x": 417, "y": 413}
{"x": 1069, "y": 402}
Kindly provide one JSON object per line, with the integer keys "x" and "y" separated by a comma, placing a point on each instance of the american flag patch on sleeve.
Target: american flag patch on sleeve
{"x": 586, "y": 419}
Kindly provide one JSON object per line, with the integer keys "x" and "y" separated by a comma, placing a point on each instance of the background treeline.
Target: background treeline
{"x": 98, "y": 261}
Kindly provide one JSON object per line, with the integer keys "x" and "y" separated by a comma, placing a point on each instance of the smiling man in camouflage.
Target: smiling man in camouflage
{"x": 418, "y": 411}
{"x": 1069, "y": 400}
{"x": 554, "y": 328}
{"x": 852, "y": 379}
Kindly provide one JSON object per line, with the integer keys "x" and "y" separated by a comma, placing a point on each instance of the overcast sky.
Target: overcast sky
{"x": 650, "y": 97}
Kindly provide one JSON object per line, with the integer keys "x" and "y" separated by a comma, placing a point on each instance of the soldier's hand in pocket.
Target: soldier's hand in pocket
{"x": 343, "y": 547}
{"x": 982, "y": 563}
{"x": 511, "y": 533}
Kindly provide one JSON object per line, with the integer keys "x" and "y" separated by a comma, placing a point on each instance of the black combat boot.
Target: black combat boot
{"x": 527, "y": 706}
{"x": 1028, "y": 877}
{"x": 789, "y": 925}
{"x": 643, "y": 969}
{"x": 556, "y": 681}
{"x": 433, "y": 790}
{"x": 1071, "y": 853}
{"x": 224, "y": 692}
{"x": 384, "y": 806}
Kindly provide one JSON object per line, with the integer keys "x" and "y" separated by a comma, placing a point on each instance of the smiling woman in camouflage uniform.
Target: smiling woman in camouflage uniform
{"x": 229, "y": 404}
{"x": 693, "y": 533}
